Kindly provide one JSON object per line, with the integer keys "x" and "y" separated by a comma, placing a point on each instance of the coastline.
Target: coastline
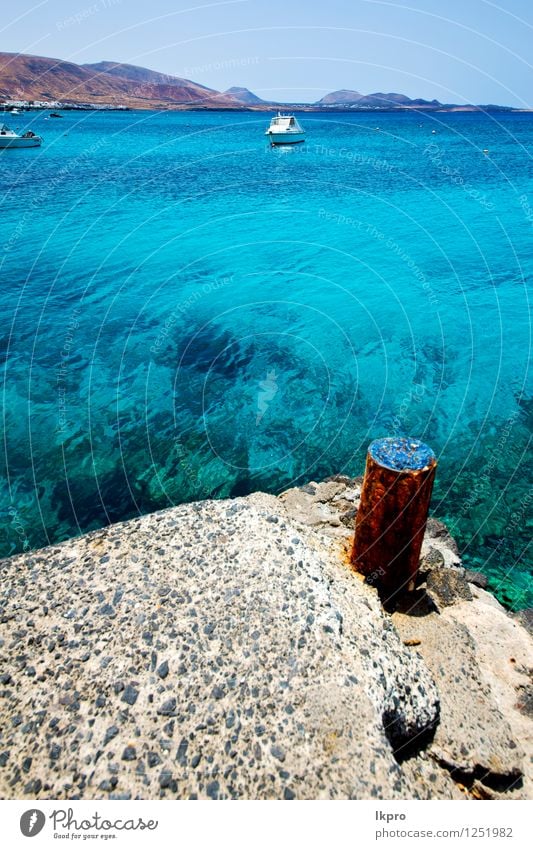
{"x": 217, "y": 649}
{"x": 272, "y": 107}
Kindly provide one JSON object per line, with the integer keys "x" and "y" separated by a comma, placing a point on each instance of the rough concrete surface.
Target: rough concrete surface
{"x": 226, "y": 649}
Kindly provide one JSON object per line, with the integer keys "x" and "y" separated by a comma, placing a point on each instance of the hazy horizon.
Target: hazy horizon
{"x": 293, "y": 52}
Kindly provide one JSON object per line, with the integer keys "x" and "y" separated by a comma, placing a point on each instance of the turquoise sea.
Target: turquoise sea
{"x": 187, "y": 313}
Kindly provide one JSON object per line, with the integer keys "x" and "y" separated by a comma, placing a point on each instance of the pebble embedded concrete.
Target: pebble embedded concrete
{"x": 216, "y": 650}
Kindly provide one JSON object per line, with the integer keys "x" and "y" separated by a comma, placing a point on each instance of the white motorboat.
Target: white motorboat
{"x": 285, "y": 129}
{"x": 9, "y": 138}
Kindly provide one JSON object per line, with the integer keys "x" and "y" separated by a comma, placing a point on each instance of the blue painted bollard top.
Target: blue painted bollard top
{"x": 401, "y": 454}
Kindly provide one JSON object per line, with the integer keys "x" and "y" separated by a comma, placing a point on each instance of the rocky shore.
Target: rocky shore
{"x": 226, "y": 649}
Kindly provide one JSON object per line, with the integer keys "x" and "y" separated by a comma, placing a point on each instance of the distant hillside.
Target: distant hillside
{"x": 144, "y": 76}
{"x": 244, "y": 95}
{"x": 27, "y": 77}
{"x": 344, "y": 95}
{"x": 379, "y": 100}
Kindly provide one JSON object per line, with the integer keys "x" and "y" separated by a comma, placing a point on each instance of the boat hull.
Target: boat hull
{"x": 286, "y": 138}
{"x": 13, "y": 142}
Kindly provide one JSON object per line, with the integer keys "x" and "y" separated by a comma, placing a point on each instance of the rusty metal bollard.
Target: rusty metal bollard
{"x": 392, "y": 515}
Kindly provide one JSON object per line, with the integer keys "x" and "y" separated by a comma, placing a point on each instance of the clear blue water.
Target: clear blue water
{"x": 188, "y": 313}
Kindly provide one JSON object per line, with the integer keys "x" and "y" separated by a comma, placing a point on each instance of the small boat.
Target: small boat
{"x": 55, "y": 115}
{"x": 285, "y": 129}
{"x": 9, "y": 138}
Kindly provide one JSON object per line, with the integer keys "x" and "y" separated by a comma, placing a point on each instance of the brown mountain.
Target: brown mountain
{"x": 188, "y": 90}
{"x": 24, "y": 77}
{"x": 244, "y": 95}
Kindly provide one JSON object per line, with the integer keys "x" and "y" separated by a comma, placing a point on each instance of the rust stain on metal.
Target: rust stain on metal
{"x": 392, "y": 514}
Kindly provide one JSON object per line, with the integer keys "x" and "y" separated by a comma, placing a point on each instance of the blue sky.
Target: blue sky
{"x": 457, "y": 51}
